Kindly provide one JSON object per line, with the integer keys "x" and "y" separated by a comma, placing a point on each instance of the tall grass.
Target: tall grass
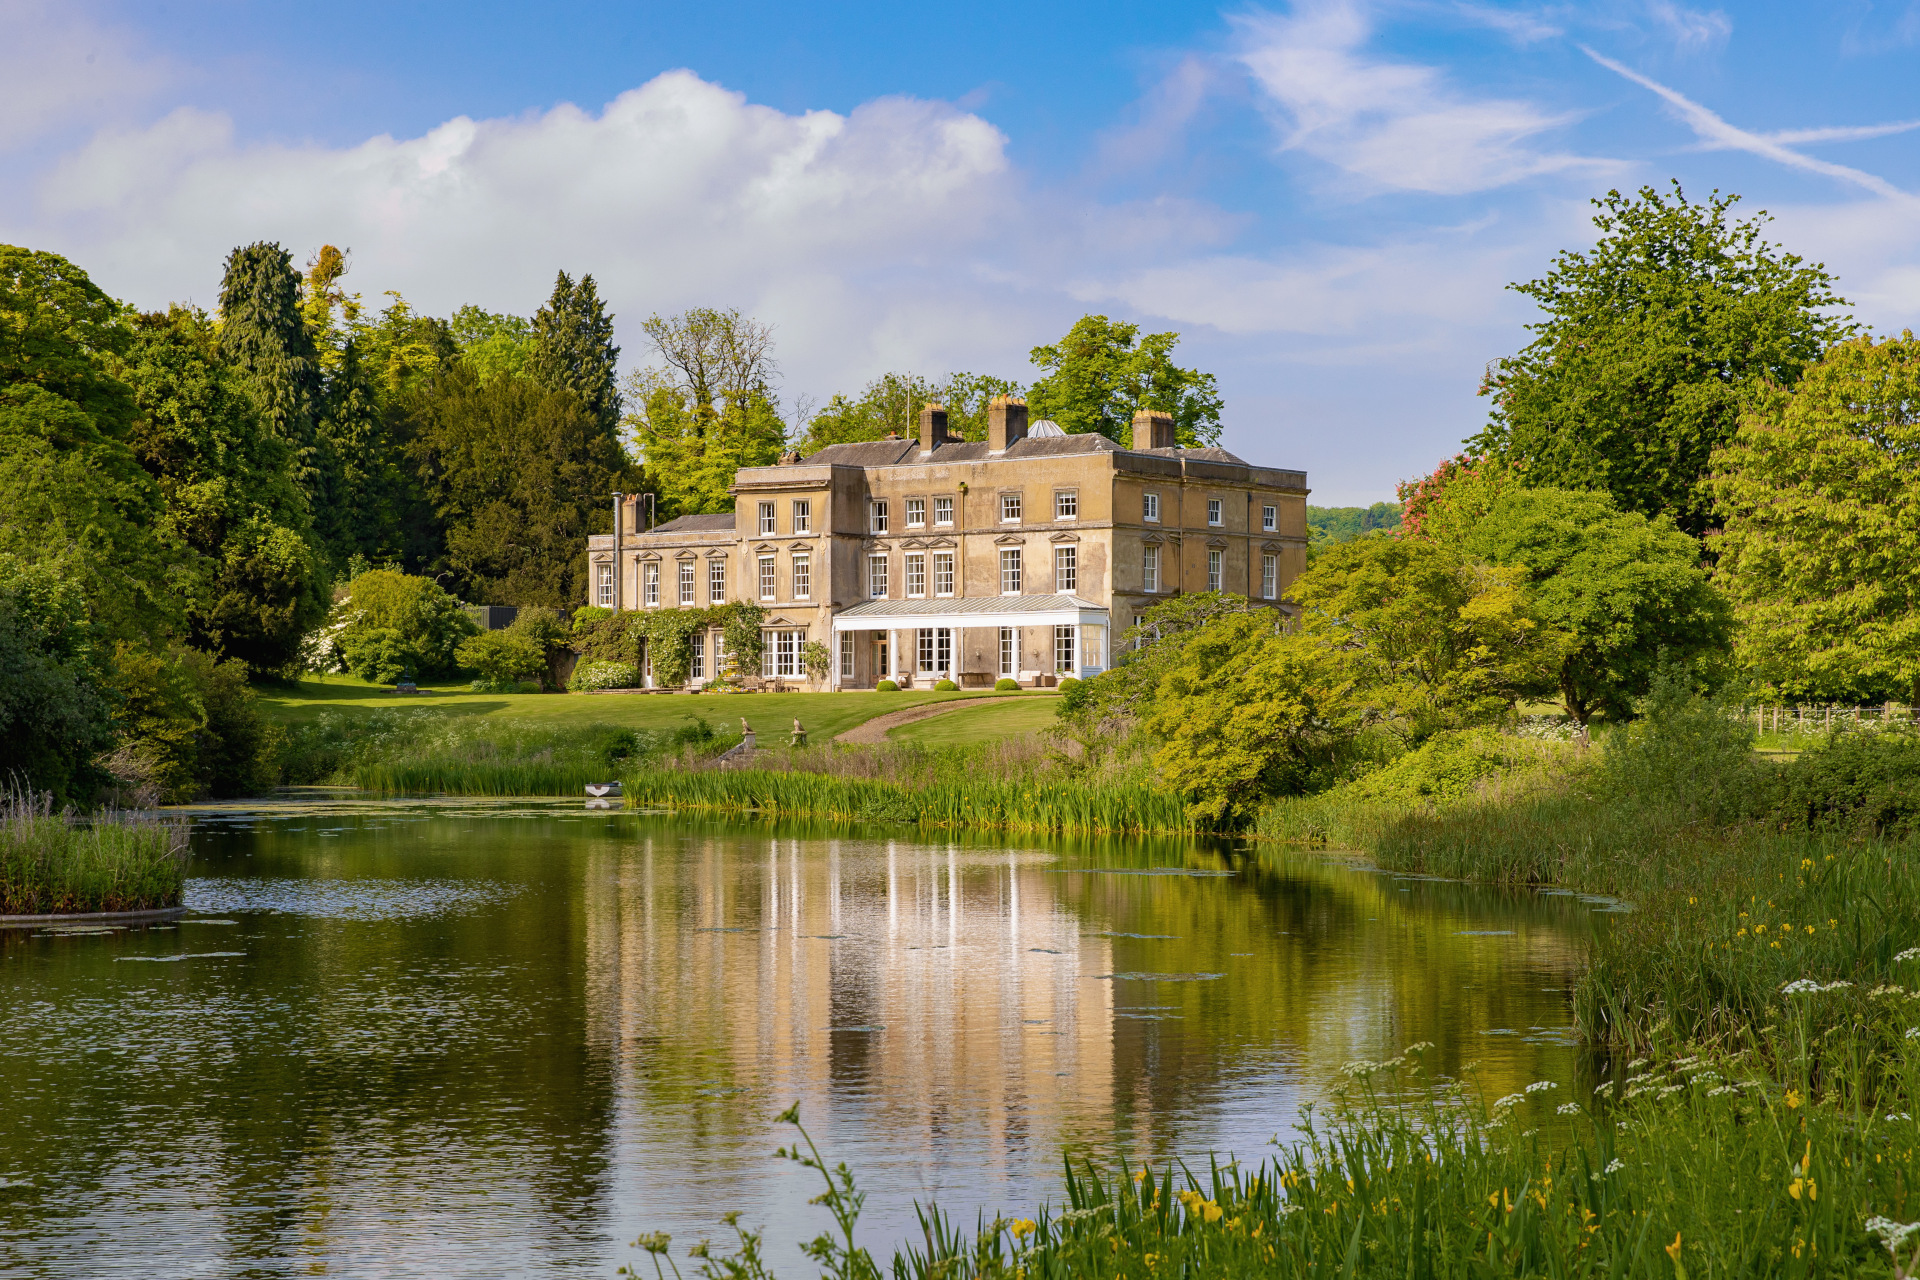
{"x": 55, "y": 864}
{"x": 1048, "y": 805}
{"x": 1700, "y": 1167}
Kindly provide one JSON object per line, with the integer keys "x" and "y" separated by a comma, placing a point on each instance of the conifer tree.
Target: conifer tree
{"x": 263, "y": 333}
{"x": 574, "y": 351}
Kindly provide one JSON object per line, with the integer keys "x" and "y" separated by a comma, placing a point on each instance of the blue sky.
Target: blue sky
{"x": 1325, "y": 199}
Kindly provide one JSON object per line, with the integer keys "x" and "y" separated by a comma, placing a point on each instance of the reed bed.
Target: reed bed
{"x": 429, "y": 753}
{"x": 1053, "y": 805}
{"x": 1695, "y": 1166}
{"x": 53, "y": 863}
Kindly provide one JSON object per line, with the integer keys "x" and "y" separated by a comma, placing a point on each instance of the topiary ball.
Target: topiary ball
{"x": 1005, "y": 684}
{"x": 945, "y": 686}
{"x": 886, "y": 686}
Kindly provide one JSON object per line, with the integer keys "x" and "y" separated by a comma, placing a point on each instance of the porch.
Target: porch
{"x": 973, "y": 642}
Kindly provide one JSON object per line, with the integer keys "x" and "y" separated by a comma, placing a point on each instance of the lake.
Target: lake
{"x": 502, "y": 1038}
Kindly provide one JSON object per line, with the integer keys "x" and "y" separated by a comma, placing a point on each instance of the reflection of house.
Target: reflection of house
{"x": 1019, "y": 555}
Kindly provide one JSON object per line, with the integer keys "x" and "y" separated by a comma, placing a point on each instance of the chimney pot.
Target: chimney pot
{"x": 1006, "y": 423}
{"x": 1152, "y": 430}
{"x": 933, "y": 426}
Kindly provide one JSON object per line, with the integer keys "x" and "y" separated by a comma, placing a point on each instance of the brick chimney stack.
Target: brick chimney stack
{"x": 1152, "y": 430}
{"x": 933, "y": 427}
{"x": 1006, "y": 423}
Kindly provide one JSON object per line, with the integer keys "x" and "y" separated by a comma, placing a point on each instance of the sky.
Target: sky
{"x": 1326, "y": 200}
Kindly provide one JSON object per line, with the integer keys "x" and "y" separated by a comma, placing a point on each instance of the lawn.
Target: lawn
{"x": 771, "y": 714}
{"x": 982, "y": 722}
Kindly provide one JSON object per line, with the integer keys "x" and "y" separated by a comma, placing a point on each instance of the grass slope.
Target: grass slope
{"x": 984, "y": 722}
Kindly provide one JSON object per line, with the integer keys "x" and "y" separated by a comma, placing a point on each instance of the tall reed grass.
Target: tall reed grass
{"x": 52, "y": 863}
{"x": 1698, "y": 1167}
{"x": 1048, "y": 805}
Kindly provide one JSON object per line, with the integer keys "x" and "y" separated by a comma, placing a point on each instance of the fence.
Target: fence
{"x": 1820, "y": 718}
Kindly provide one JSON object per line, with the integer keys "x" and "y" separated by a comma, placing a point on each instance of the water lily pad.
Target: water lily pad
{"x": 185, "y": 955}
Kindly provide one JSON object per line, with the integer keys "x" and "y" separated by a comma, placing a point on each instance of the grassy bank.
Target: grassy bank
{"x": 948, "y": 802}
{"x": 51, "y": 863}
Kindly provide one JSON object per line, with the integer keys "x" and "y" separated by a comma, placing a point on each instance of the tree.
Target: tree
{"x": 1102, "y": 373}
{"x": 393, "y": 624}
{"x": 892, "y": 403}
{"x": 501, "y": 658}
{"x": 1820, "y": 492}
{"x": 573, "y": 349}
{"x": 713, "y": 356}
{"x": 1621, "y": 594}
{"x": 263, "y": 334}
{"x": 517, "y": 476}
{"x": 1429, "y": 639}
{"x": 692, "y": 452}
{"x": 223, "y": 476}
{"x": 1651, "y": 345}
{"x": 492, "y": 345}
{"x": 55, "y": 712}
{"x": 1246, "y": 711}
{"x": 57, "y": 328}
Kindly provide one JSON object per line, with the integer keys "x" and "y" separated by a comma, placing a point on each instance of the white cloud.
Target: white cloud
{"x": 1690, "y": 29}
{"x": 59, "y": 68}
{"x": 1392, "y": 125}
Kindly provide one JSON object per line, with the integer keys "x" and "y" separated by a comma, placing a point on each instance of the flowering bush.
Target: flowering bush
{"x": 603, "y": 675}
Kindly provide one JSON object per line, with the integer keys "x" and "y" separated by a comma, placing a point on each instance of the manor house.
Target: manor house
{"x": 1025, "y": 554}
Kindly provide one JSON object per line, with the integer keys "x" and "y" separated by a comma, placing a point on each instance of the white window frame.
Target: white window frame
{"x": 916, "y": 513}
{"x": 1066, "y": 646}
{"x": 1009, "y": 651}
{"x": 923, "y": 650}
{"x": 780, "y": 652}
{"x": 913, "y": 572}
{"x": 877, "y": 515}
{"x": 1010, "y": 571}
{"x": 1066, "y": 504}
{"x": 1150, "y": 567}
{"x": 877, "y": 577}
{"x": 1139, "y": 621}
{"x": 1066, "y": 570}
{"x": 942, "y": 512}
{"x": 803, "y": 515}
{"x": 1269, "y": 575}
{"x": 846, "y": 655}
{"x": 769, "y": 577}
{"x": 1216, "y": 513}
{"x": 802, "y": 576}
{"x": 697, "y": 656}
{"x": 1214, "y": 568}
{"x": 1269, "y": 517}
{"x": 769, "y": 520}
{"x": 1150, "y": 508}
{"x": 650, "y": 584}
{"x": 1010, "y": 508}
{"x": 603, "y": 585}
{"x": 716, "y": 581}
{"x": 943, "y": 573}
{"x": 686, "y": 584}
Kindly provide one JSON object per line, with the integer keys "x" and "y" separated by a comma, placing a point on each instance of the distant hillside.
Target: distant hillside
{"x": 1338, "y": 524}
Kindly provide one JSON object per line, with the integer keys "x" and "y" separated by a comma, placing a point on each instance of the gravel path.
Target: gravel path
{"x": 875, "y": 730}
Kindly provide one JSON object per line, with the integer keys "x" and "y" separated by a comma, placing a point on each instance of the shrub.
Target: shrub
{"x": 485, "y": 685}
{"x": 1855, "y": 782}
{"x": 502, "y": 658}
{"x": 586, "y": 616}
{"x": 945, "y": 686}
{"x": 1005, "y": 684}
{"x": 886, "y": 686}
{"x": 604, "y": 675}
{"x": 1445, "y": 767}
{"x": 1073, "y": 694}
{"x": 393, "y": 624}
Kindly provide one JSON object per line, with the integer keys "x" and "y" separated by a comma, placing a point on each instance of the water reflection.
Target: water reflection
{"x": 471, "y": 1038}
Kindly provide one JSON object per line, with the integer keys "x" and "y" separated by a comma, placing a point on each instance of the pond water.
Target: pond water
{"x": 504, "y": 1038}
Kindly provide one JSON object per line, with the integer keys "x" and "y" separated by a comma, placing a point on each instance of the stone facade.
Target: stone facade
{"x": 1026, "y": 554}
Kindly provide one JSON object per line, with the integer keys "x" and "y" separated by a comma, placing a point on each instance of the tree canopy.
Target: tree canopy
{"x": 892, "y": 403}
{"x": 1103, "y": 372}
{"x": 573, "y": 349}
{"x": 1651, "y": 344}
{"x": 1820, "y": 493}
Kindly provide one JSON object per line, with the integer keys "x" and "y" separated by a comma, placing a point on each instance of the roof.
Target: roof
{"x": 943, "y": 607}
{"x": 896, "y": 453}
{"x": 719, "y": 523}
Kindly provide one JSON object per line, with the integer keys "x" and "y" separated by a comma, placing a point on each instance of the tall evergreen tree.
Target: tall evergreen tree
{"x": 264, "y": 334}
{"x": 573, "y": 349}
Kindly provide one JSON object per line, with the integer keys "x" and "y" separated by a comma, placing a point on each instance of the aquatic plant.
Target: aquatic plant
{"x": 56, "y": 863}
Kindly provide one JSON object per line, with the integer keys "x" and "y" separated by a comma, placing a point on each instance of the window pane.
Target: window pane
{"x": 916, "y": 574}
{"x": 877, "y": 576}
{"x": 1213, "y": 511}
{"x": 606, "y": 586}
{"x": 943, "y": 573}
{"x": 767, "y": 523}
{"x": 1010, "y": 572}
{"x": 1213, "y": 570}
{"x": 916, "y": 512}
{"x": 1269, "y": 518}
{"x": 768, "y": 589}
{"x": 803, "y": 516}
{"x": 1150, "y": 508}
{"x": 1065, "y": 568}
{"x": 1063, "y": 648}
{"x": 716, "y": 581}
{"x": 1009, "y": 506}
{"x": 1066, "y": 505}
{"x": 879, "y": 511}
{"x": 943, "y": 510}
{"x": 652, "y": 575}
{"x": 1269, "y": 575}
{"x": 846, "y": 655}
{"x": 686, "y": 582}
{"x": 1150, "y": 569}
{"x": 802, "y": 577}
{"x": 1009, "y": 651}
{"x": 697, "y": 662}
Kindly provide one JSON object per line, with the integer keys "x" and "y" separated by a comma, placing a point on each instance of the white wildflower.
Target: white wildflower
{"x": 1636, "y": 1064}
{"x": 1669, "y": 1090}
{"x": 1510, "y": 1100}
{"x": 1911, "y": 953}
{"x": 1613, "y": 1166}
{"x": 1567, "y": 1109}
{"x": 1892, "y": 1234}
{"x": 1810, "y": 986}
{"x": 1725, "y": 1088}
{"x": 1879, "y": 991}
{"x": 1913, "y": 1033}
